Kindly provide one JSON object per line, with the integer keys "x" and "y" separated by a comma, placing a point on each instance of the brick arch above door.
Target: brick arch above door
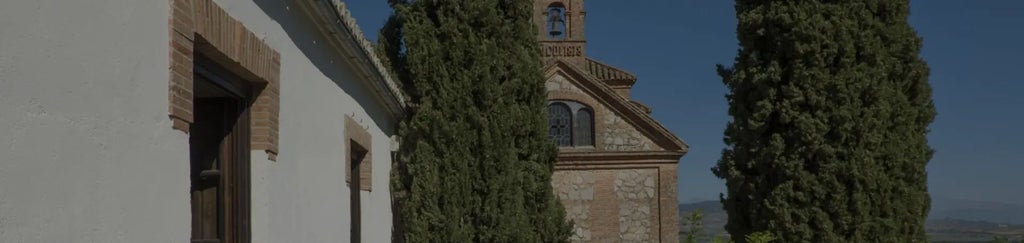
{"x": 202, "y": 26}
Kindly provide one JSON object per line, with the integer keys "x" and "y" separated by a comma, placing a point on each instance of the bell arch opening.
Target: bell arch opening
{"x": 556, "y": 21}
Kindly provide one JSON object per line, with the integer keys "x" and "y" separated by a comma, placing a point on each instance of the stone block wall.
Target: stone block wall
{"x": 635, "y": 191}
{"x": 576, "y": 190}
{"x": 617, "y": 135}
{"x": 616, "y": 204}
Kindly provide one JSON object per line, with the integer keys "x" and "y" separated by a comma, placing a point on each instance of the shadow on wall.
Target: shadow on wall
{"x": 302, "y": 31}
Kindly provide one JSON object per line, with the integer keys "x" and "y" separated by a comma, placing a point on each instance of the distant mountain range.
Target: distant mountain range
{"x": 943, "y": 207}
{"x": 950, "y": 220}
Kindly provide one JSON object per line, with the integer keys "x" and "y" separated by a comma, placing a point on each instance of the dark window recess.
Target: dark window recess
{"x": 219, "y": 148}
{"x": 560, "y": 124}
{"x": 570, "y": 123}
{"x": 357, "y": 155}
{"x": 584, "y": 131}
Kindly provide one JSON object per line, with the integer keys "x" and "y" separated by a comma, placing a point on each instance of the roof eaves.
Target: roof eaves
{"x": 607, "y": 72}
{"x": 336, "y": 15}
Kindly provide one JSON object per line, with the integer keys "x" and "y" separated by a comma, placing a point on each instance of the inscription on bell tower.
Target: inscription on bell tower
{"x": 560, "y": 29}
{"x": 562, "y": 50}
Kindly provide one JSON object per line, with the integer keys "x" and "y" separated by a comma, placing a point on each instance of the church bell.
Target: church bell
{"x": 557, "y": 23}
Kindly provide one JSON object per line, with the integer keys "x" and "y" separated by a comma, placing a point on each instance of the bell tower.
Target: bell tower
{"x": 560, "y": 29}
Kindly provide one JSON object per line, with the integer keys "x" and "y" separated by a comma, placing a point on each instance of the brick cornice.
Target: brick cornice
{"x": 584, "y": 157}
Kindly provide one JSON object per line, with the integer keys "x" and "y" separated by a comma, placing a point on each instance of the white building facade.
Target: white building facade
{"x": 193, "y": 121}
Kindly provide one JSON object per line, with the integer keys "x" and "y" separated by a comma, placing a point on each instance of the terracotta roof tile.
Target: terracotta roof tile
{"x": 609, "y": 74}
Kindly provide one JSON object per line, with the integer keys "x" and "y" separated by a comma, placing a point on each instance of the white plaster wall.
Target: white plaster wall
{"x": 87, "y": 153}
{"x": 303, "y": 196}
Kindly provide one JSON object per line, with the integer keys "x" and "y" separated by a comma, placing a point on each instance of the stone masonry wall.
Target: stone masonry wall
{"x": 620, "y": 136}
{"x": 576, "y": 190}
{"x": 636, "y": 191}
{"x": 610, "y": 205}
{"x": 559, "y": 83}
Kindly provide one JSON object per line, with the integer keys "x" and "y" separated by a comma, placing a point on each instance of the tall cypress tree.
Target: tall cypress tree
{"x": 476, "y": 162}
{"x": 830, "y": 107}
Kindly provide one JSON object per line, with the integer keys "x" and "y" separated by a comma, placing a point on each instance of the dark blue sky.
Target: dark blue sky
{"x": 974, "y": 48}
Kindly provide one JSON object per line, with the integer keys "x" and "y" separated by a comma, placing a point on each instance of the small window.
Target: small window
{"x": 560, "y": 124}
{"x": 570, "y": 123}
{"x": 556, "y": 21}
{"x": 584, "y": 130}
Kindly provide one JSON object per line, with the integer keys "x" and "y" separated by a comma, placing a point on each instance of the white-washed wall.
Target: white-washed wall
{"x": 87, "y": 153}
{"x": 303, "y": 196}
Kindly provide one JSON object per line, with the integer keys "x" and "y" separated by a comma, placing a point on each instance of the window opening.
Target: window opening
{"x": 560, "y": 124}
{"x": 584, "y": 130}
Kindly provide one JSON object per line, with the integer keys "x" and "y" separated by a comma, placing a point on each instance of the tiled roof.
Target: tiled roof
{"x": 366, "y": 47}
{"x": 607, "y": 73}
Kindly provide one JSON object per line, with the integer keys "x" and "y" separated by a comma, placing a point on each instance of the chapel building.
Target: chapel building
{"x": 616, "y": 169}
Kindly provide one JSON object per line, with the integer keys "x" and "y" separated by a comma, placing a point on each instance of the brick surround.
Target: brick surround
{"x": 202, "y": 26}
{"x": 360, "y": 137}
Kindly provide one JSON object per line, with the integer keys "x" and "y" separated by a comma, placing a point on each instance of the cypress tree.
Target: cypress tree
{"x": 830, "y": 107}
{"x": 475, "y": 161}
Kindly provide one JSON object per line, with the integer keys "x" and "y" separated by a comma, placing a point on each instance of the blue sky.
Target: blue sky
{"x": 974, "y": 48}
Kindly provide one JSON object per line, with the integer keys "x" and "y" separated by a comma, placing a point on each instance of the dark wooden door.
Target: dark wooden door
{"x": 219, "y": 147}
{"x": 357, "y": 155}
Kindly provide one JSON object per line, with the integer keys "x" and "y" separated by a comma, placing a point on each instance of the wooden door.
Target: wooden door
{"x": 219, "y": 147}
{"x": 357, "y": 154}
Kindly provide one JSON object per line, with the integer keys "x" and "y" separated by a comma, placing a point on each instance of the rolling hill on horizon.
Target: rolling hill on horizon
{"x": 941, "y": 208}
{"x": 950, "y": 220}
{"x": 976, "y": 210}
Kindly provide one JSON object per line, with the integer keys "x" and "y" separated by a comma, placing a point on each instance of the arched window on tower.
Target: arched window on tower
{"x": 560, "y": 124}
{"x": 556, "y": 21}
{"x": 583, "y": 132}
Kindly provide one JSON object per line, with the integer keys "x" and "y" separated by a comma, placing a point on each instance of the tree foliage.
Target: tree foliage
{"x": 475, "y": 162}
{"x": 830, "y": 107}
{"x": 694, "y": 226}
{"x": 759, "y": 237}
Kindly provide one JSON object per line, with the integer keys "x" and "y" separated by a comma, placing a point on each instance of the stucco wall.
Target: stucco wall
{"x": 87, "y": 153}
{"x": 303, "y": 196}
